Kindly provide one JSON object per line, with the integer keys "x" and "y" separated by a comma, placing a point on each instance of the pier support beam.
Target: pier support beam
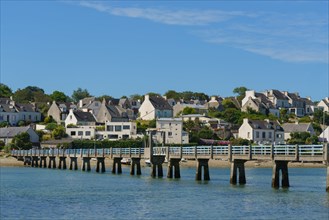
{"x": 157, "y": 162}
{"x": 100, "y": 162}
{"x": 135, "y": 162}
{"x": 35, "y": 160}
{"x": 73, "y": 160}
{"x": 238, "y": 165}
{"x": 52, "y": 162}
{"x": 62, "y": 161}
{"x": 117, "y": 165}
{"x": 202, "y": 163}
{"x": 27, "y": 160}
{"x": 86, "y": 162}
{"x": 173, "y": 168}
{"x": 43, "y": 160}
{"x": 283, "y": 166}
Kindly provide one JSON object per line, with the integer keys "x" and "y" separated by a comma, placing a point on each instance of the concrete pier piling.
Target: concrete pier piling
{"x": 135, "y": 162}
{"x": 62, "y": 163}
{"x": 43, "y": 161}
{"x": 202, "y": 163}
{"x": 73, "y": 163}
{"x": 237, "y": 166}
{"x": 100, "y": 163}
{"x": 157, "y": 161}
{"x": 34, "y": 162}
{"x": 86, "y": 164}
{"x": 282, "y": 166}
{"x": 117, "y": 167}
{"x": 52, "y": 162}
{"x": 327, "y": 187}
{"x": 27, "y": 160}
{"x": 173, "y": 168}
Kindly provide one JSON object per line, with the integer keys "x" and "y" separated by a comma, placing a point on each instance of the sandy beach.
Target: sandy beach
{"x": 8, "y": 161}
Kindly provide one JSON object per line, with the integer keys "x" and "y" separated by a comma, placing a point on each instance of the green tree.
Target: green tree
{"x": 31, "y": 94}
{"x": 188, "y": 111}
{"x": 80, "y": 94}
{"x": 58, "y": 96}
{"x": 227, "y": 103}
{"x": 51, "y": 126}
{"x": 137, "y": 97}
{"x": 49, "y": 119}
{"x": 22, "y": 141}
{"x": 3, "y": 124}
{"x": 106, "y": 97}
{"x": 172, "y": 94}
{"x": 241, "y": 92}
{"x": 58, "y": 132}
{"x": 5, "y": 91}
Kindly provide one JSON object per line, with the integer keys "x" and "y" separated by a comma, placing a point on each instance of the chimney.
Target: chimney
{"x": 165, "y": 97}
{"x": 147, "y": 97}
{"x": 245, "y": 120}
{"x": 80, "y": 103}
{"x": 213, "y": 98}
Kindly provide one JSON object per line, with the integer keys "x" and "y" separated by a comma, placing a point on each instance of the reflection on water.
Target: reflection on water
{"x": 34, "y": 193}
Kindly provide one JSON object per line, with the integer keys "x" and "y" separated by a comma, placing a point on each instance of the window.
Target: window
{"x": 109, "y": 128}
{"x": 125, "y": 136}
{"x": 118, "y": 128}
{"x": 248, "y": 135}
{"x": 87, "y": 133}
{"x": 257, "y": 134}
{"x": 73, "y": 133}
{"x": 113, "y": 136}
{"x": 30, "y": 117}
{"x": 70, "y": 117}
{"x": 169, "y": 134}
{"x": 80, "y": 133}
{"x": 269, "y": 134}
{"x": 279, "y": 135}
{"x": 263, "y": 134}
{"x": 126, "y": 127}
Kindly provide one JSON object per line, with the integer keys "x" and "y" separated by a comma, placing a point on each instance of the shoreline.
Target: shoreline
{"x": 8, "y": 161}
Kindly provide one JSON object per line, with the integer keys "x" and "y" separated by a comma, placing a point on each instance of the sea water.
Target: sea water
{"x": 39, "y": 193}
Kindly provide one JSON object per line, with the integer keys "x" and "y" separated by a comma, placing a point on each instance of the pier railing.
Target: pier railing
{"x": 274, "y": 152}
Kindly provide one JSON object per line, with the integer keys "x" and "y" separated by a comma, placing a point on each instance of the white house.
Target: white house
{"x": 324, "y": 136}
{"x": 324, "y": 104}
{"x": 7, "y": 134}
{"x": 13, "y": 112}
{"x": 262, "y": 132}
{"x": 278, "y": 98}
{"x": 81, "y": 132}
{"x": 297, "y": 127}
{"x": 170, "y": 131}
{"x": 119, "y": 130}
{"x": 80, "y": 118}
{"x": 155, "y": 107}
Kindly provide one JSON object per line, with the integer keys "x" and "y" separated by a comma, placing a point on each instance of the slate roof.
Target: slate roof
{"x": 4, "y": 107}
{"x": 11, "y": 132}
{"x": 84, "y": 116}
{"x": 264, "y": 125}
{"x": 294, "y": 96}
{"x": 292, "y": 127}
{"x": 87, "y": 101}
{"x": 264, "y": 99}
{"x": 160, "y": 103}
{"x": 307, "y": 101}
{"x": 279, "y": 95}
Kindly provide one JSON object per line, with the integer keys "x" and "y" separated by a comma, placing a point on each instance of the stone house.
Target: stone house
{"x": 80, "y": 118}
{"x": 90, "y": 104}
{"x": 259, "y": 103}
{"x": 112, "y": 113}
{"x": 278, "y": 99}
{"x": 59, "y": 110}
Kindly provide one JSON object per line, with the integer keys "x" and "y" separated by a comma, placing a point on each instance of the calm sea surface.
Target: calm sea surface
{"x": 37, "y": 193}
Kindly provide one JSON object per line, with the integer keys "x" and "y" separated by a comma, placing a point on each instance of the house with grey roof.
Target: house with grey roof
{"x": 309, "y": 106}
{"x": 155, "y": 107}
{"x": 262, "y": 131}
{"x": 7, "y": 134}
{"x": 297, "y": 127}
{"x": 90, "y": 104}
{"x": 59, "y": 110}
{"x": 324, "y": 104}
{"x": 13, "y": 112}
{"x": 278, "y": 98}
{"x": 80, "y": 118}
{"x": 297, "y": 105}
{"x": 259, "y": 103}
{"x": 199, "y": 109}
{"x": 113, "y": 113}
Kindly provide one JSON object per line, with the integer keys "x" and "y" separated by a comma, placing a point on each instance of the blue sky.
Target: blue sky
{"x": 128, "y": 47}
